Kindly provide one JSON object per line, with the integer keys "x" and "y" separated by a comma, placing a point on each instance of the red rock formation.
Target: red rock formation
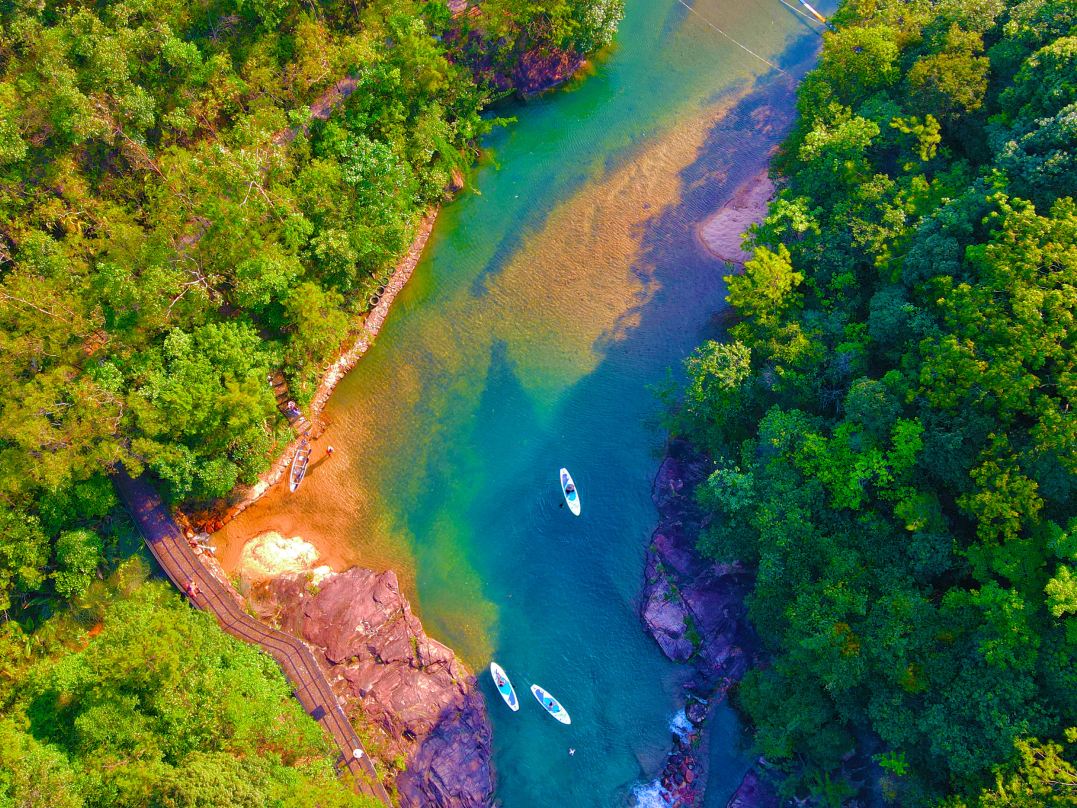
{"x": 413, "y": 694}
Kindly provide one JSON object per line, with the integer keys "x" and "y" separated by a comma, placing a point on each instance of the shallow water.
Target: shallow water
{"x": 554, "y": 296}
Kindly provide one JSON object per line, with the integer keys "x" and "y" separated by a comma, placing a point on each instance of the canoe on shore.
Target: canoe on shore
{"x": 299, "y": 466}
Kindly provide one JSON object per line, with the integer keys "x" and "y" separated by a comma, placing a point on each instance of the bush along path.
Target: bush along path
{"x": 178, "y": 560}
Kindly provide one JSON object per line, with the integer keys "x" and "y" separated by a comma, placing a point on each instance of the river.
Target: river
{"x": 556, "y": 295}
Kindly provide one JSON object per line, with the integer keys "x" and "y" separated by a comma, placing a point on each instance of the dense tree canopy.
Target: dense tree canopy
{"x": 132, "y": 698}
{"x": 184, "y": 211}
{"x": 892, "y": 419}
{"x": 182, "y": 214}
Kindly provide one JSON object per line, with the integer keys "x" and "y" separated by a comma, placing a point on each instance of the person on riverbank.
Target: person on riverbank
{"x": 329, "y": 451}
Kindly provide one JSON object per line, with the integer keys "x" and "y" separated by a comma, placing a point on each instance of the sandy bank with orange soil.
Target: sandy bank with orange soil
{"x": 245, "y": 496}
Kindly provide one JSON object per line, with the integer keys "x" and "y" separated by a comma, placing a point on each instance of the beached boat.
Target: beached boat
{"x": 299, "y": 466}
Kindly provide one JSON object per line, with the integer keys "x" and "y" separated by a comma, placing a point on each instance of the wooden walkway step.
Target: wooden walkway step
{"x": 177, "y": 558}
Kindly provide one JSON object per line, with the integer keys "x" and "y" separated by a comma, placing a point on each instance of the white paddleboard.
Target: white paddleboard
{"x": 571, "y": 497}
{"x": 504, "y": 686}
{"x": 550, "y": 704}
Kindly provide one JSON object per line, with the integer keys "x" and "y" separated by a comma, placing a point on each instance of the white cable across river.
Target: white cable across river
{"x": 744, "y": 48}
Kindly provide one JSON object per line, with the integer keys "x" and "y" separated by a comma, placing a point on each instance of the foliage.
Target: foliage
{"x": 154, "y": 705}
{"x": 894, "y": 445}
{"x": 183, "y": 212}
{"x": 192, "y": 197}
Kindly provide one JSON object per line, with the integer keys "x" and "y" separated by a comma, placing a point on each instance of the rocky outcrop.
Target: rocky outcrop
{"x": 694, "y": 608}
{"x": 754, "y": 792}
{"x": 539, "y": 70}
{"x": 410, "y": 693}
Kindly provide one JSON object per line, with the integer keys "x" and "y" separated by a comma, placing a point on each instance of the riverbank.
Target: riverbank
{"x": 417, "y": 708}
{"x": 542, "y": 74}
{"x": 214, "y": 519}
{"x": 608, "y": 223}
{"x": 545, "y": 307}
{"x": 693, "y": 608}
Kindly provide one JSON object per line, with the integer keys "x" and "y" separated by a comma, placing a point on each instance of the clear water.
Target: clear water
{"x": 554, "y": 296}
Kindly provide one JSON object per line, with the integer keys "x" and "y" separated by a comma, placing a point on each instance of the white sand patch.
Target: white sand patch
{"x": 270, "y": 554}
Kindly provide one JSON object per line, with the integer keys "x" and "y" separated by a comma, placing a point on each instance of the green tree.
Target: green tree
{"x": 207, "y": 398}
{"x": 951, "y": 82}
{"x": 896, "y": 458}
{"x": 24, "y": 552}
{"x": 78, "y": 555}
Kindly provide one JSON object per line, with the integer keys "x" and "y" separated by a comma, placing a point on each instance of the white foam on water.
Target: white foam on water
{"x": 649, "y": 795}
{"x": 680, "y": 726}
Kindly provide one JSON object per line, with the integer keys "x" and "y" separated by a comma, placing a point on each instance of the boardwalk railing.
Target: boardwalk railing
{"x": 178, "y": 560}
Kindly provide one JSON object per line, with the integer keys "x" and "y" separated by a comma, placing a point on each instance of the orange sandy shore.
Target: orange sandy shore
{"x": 331, "y": 377}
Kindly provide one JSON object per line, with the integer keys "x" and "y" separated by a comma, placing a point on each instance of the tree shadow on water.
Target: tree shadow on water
{"x": 683, "y": 286}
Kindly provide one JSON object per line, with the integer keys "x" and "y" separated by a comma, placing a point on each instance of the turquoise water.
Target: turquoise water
{"x": 555, "y": 294}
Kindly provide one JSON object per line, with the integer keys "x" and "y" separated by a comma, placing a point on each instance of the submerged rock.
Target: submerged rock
{"x": 270, "y": 554}
{"x": 415, "y": 698}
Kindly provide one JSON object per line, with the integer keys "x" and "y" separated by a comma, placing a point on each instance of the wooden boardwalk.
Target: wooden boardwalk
{"x": 178, "y": 560}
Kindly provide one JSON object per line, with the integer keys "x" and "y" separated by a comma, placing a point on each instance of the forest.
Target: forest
{"x": 180, "y": 218}
{"x": 891, "y": 418}
{"x": 131, "y": 697}
{"x": 175, "y": 225}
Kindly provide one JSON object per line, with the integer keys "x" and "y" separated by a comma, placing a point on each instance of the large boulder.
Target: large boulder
{"x": 754, "y": 792}
{"x": 451, "y": 767}
{"x": 667, "y": 618}
{"x": 415, "y": 699}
